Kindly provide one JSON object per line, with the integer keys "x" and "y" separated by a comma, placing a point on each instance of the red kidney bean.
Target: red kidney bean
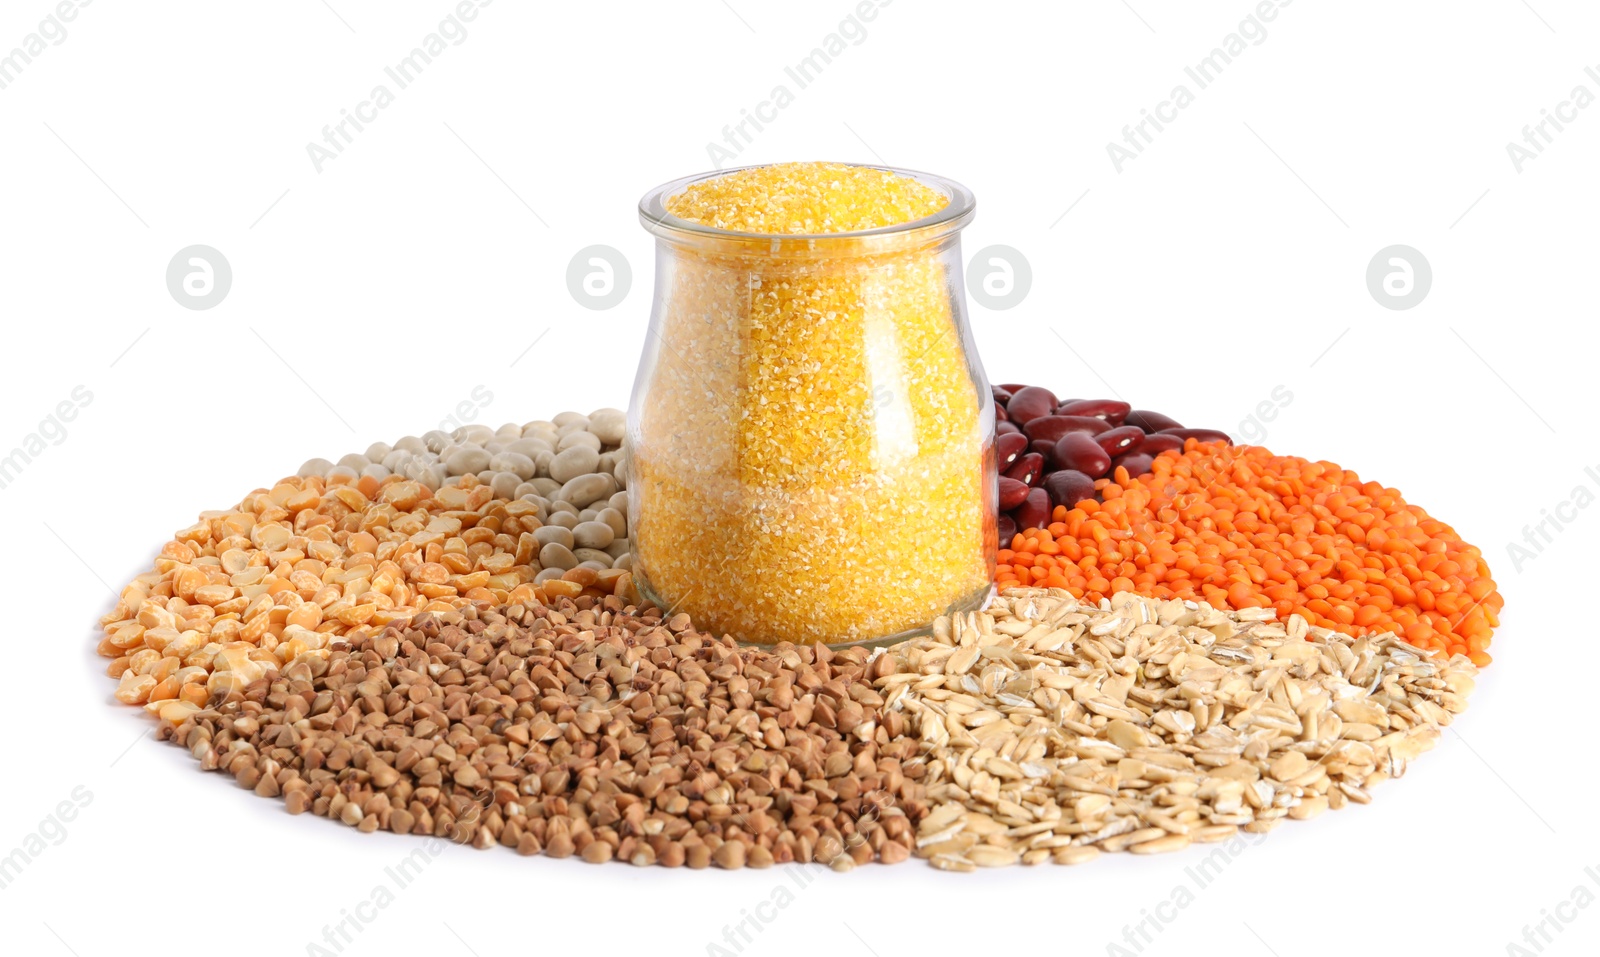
{"x": 1053, "y": 427}
{"x": 1059, "y": 447}
{"x": 1034, "y": 512}
{"x": 1151, "y": 421}
{"x": 1137, "y": 463}
{"x": 1121, "y": 440}
{"x": 1030, "y": 402}
{"x": 1010, "y": 446}
{"x": 1012, "y": 493}
{"x": 1007, "y": 527}
{"x": 1161, "y": 442}
{"x": 1029, "y": 469}
{"x": 1110, "y": 411}
{"x": 1068, "y": 487}
{"x": 1203, "y": 435}
{"x": 1079, "y": 450}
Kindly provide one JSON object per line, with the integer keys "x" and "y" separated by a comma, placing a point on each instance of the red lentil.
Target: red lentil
{"x": 1240, "y": 527}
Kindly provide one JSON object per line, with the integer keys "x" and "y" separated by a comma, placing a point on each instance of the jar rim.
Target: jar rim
{"x": 956, "y": 213}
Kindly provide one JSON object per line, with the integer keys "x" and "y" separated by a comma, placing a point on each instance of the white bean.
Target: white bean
{"x": 555, "y": 555}
{"x": 556, "y": 534}
{"x": 596, "y": 535}
{"x": 580, "y": 439}
{"x": 572, "y": 463}
{"x": 505, "y": 484}
{"x": 467, "y": 459}
{"x": 615, "y": 519}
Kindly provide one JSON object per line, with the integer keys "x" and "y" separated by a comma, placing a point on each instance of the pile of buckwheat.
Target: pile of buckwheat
{"x": 592, "y": 728}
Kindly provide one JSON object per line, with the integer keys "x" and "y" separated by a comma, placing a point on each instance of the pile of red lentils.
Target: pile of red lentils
{"x": 1240, "y": 527}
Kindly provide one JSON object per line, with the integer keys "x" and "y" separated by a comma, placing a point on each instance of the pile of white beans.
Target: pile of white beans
{"x": 571, "y": 466}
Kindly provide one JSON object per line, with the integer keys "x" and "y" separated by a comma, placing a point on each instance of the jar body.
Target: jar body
{"x": 811, "y": 443}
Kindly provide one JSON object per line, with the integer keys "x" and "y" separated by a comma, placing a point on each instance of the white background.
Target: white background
{"x": 372, "y": 297}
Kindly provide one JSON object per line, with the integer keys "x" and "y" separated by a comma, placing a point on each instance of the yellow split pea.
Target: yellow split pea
{"x": 809, "y": 460}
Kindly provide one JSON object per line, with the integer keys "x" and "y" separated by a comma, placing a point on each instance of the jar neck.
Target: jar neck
{"x": 777, "y": 249}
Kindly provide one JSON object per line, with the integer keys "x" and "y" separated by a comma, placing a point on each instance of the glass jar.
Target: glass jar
{"x": 811, "y": 436}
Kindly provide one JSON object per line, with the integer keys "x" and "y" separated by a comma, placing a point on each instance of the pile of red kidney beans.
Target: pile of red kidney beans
{"x": 1050, "y": 452}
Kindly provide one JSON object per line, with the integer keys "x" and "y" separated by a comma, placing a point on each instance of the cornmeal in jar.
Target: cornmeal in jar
{"x": 809, "y": 447}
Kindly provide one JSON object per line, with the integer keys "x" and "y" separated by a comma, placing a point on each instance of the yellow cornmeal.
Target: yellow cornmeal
{"x": 810, "y": 463}
{"x": 810, "y": 198}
